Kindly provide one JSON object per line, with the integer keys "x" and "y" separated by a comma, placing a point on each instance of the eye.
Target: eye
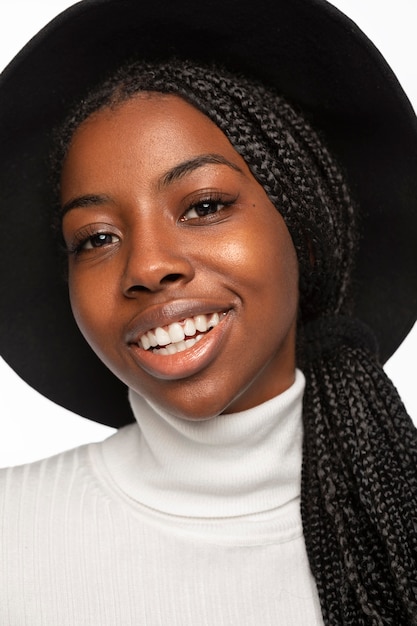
{"x": 98, "y": 240}
{"x": 88, "y": 239}
{"x": 206, "y": 208}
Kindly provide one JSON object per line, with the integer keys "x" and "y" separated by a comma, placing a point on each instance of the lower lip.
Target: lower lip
{"x": 186, "y": 363}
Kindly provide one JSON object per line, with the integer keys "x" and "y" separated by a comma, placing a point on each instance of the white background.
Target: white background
{"x": 31, "y": 427}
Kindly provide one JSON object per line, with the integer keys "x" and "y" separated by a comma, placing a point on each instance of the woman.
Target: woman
{"x": 199, "y": 206}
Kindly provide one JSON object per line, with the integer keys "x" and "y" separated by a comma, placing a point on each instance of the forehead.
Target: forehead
{"x": 158, "y": 124}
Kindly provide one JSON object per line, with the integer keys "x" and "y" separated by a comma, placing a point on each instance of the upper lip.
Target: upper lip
{"x": 168, "y": 313}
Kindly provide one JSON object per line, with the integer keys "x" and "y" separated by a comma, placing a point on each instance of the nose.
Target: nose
{"x": 153, "y": 263}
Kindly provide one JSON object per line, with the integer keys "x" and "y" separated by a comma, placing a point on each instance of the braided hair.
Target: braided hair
{"x": 359, "y": 475}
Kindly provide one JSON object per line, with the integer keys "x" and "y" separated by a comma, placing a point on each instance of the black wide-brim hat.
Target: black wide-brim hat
{"x": 306, "y": 49}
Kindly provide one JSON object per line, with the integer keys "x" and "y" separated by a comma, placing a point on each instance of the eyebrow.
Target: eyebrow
{"x": 180, "y": 170}
{"x": 84, "y": 201}
{"x": 175, "y": 173}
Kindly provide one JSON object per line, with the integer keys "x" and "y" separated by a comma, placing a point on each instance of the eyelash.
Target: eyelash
{"x": 90, "y": 236}
{"x": 217, "y": 202}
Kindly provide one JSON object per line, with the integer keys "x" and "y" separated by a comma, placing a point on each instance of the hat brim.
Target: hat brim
{"x": 306, "y": 49}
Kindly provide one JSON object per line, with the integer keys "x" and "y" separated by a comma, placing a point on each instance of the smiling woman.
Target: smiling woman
{"x": 55, "y": 428}
{"x": 227, "y": 265}
{"x": 164, "y": 222}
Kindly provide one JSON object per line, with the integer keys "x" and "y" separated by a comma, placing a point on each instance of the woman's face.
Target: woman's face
{"x": 182, "y": 274}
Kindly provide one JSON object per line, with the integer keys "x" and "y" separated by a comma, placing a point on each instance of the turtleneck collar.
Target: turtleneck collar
{"x": 233, "y": 464}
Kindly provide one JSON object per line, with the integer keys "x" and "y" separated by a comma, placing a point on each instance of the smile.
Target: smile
{"x": 179, "y": 336}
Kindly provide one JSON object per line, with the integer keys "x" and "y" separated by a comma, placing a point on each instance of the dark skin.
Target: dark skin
{"x": 165, "y": 223}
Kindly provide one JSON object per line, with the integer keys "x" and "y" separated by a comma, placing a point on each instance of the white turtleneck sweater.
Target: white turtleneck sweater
{"x": 166, "y": 523}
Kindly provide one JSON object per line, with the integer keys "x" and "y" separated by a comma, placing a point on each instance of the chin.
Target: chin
{"x": 193, "y": 407}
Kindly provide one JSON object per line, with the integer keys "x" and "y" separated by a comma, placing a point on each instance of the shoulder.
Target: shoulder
{"x": 29, "y": 489}
{"x": 56, "y": 483}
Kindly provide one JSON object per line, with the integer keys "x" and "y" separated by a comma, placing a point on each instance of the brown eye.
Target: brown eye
{"x": 99, "y": 240}
{"x": 203, "y": 208}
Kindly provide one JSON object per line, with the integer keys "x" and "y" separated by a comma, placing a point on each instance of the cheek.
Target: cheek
{"x": 276, "y": 282}
{"x": 82, "y": 309}
{"x": 283, "y": 265}
{"x": 91, "y": 299}
{"x": 264, "y": 261}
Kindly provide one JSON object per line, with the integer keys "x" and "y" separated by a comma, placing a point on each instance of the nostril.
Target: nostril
{"x": 166, "y": 280}
{"x": 138, "y": 288}
{"x": 171, "y": 278}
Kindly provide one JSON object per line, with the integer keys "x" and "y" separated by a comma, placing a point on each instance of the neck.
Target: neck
{"x": 233, "y": 464}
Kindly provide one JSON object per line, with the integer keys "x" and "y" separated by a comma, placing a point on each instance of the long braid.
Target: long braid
{"x": 359, "y": 478}
{"x": 363, "y": 449}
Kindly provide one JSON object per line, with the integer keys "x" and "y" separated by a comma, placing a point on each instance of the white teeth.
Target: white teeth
{"x": 179, "y": 336}
{"x": 152, "y": 339}
{"x": 173, "y": 348}
{"x": 213, "y": 320}
{"x": 162, "y": 336}
{"x": 189, "y": 327}
{"x": 145, "y": 343}
{"x": 176, "y": 332}
{"x": 200, "y": 322}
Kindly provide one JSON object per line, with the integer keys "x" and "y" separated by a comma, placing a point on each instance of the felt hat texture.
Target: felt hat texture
{"x": 306, "y": 49}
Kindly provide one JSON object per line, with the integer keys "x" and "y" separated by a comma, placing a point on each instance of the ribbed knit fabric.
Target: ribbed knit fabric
{"x": 167, "y": 523}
